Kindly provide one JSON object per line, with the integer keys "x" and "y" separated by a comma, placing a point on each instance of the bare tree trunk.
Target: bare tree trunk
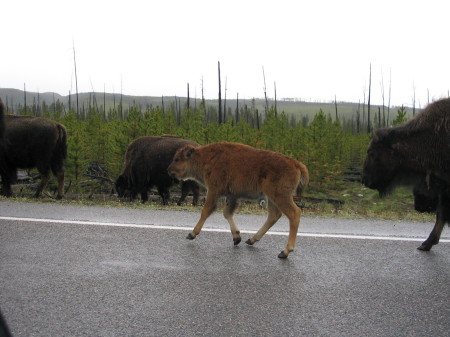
{"x": 121, "y": 101}
{"x": 24, "y": 98}
{"x": 382, "y": 97}
{"x": 364, "y": 109}
{"x": 369, "y": 128}
{"x": 188, "y": 98}
{"x": 266, "y": 107}
{"x": 257, "y": 119}
{"x": 203, "y": 98}
{"x": 220, "y": 95}
{"x": 275, "y": 90}
{"x": 358, "y": 130}
{"x": 336, "y": 108}
{"x": 104, "y": 102}
{"x": 54, "y": 105}
{"x": 379, "y": 117}
{"x": 225, "y": 103}
{"x": 389, "y": 99}
{"x": 237, "y": 108}
{"x": 76, "y": 77}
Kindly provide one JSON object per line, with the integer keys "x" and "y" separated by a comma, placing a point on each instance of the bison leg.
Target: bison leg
{"x": 442, "y": 216}
{"x": 290, "y": 209}
{"x": 184, "y": 192}
{"x": 208, "y": 208}
{"x": 272, "y": 218}
{"x": 144, "y": 195}
{"x": 228, "y": 212}
{"x": 60, "y": 178}
{"x": 6, "y": 185}
{"x": 163, "y": 191}
{"x": 45, "y": 177}
{"x": 195, "y": 192}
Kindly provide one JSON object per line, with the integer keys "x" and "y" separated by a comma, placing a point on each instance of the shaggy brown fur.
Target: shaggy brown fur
{"x": 415, "y": 153}
{"x": 239, "y": 171}
{"x": 146, "y": 162}
{"x": 33, "y": 142}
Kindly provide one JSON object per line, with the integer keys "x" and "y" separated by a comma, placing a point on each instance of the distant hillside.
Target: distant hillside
{"x": 15, "y": 99}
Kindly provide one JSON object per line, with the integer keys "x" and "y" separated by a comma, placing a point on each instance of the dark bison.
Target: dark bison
{"x": 32, "y": 142}
{"x": 238, "y": 171}
{"x": 146, "y": 162}
{"x": 416, "y": 153}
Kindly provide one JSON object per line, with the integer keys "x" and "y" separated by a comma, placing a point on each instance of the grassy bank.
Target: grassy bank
{"x": 351, "y": 201}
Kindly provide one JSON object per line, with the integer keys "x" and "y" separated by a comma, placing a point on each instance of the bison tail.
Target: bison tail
{"x": 304, "y": 179}
{"x": 62, "y": 142}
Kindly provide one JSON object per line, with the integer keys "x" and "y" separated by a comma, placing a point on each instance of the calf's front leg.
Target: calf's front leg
{"x": 210, "y": 206}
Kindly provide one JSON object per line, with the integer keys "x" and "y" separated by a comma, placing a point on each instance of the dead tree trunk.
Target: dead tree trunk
{"x": 369, "y": 128}
{"x": 266, "y": 107}
{"x": 220, "y": 95}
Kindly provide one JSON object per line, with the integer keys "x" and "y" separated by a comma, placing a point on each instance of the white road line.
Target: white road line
{"x": 218, "y": 230}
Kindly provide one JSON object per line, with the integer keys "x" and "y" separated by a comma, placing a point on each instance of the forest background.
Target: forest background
{"x": 330, "y": 138}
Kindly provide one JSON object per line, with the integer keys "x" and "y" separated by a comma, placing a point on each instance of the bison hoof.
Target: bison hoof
{"x": 236, "y": 241}
{"x": 282, "y": 255}
{"x": 190, "y": 237}
{"x": 424, "y": 247}
{"x": 249, "y": 242}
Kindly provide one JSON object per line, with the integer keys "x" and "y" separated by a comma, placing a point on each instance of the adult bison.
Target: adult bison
{"x": 146, "y": 162}
{"x": 238, "y": 171}
{"x": 32, "y": 142}
{"x": 416, "y": 153}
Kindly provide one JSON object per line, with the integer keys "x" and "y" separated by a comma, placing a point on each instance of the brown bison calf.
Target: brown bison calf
{"x": 30, "y": 142}
{"x": 239, "y": 171}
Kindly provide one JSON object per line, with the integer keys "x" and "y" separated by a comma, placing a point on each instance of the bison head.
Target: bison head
{"x": 382, "y": 162}
{"x": 179, "y": 168}
{"x": 122, "y": 187}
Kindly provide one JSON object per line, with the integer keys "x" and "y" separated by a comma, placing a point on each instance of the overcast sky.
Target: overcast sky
{"x": 312, "y": 50}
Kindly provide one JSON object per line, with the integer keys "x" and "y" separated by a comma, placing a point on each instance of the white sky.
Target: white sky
{"x": 313, "y": 49}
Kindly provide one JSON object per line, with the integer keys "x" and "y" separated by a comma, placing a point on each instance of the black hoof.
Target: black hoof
{"x": 249, "y": 242}
{"x": 424, "y": 248}
{"x": 236, "y": 241}
{"x": 282, "y": 255}
{"x": 190, "y": 237}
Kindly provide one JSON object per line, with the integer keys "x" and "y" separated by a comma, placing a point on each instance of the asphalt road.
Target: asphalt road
{"x": 89, "y": 271}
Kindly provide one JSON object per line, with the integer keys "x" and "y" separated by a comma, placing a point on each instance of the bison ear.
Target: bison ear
{"x": 385, "y": 136}
{"x": 190, "y": 153}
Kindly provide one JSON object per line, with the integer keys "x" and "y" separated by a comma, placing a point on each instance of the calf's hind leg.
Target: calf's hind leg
{"x": 272, "y": 218}
{"x": 228, "y": 212}
{"x": 290, "y": 209}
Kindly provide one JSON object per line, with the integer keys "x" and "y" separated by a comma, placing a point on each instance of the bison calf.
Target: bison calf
{"x": 32, "y": 142}
{"x": 238, "y": 171}
{"x": 146, "y": 162}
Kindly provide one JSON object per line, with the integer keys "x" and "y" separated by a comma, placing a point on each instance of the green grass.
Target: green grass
{"x": 359, "y": 203}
